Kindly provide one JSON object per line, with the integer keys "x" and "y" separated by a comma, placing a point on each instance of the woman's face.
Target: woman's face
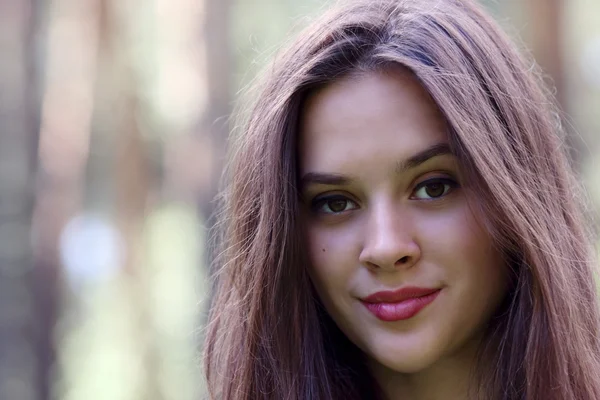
{"x": 385, "y": 212}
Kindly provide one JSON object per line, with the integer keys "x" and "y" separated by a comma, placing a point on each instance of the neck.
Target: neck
{"x": 447, "y": 379}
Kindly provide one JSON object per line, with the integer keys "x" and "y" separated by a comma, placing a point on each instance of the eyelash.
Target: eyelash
{"x": 319, "y": 202}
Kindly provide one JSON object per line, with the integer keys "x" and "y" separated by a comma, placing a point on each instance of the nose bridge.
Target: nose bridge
{"x": 389, "y": 237}
{"x": 386, "y": 224}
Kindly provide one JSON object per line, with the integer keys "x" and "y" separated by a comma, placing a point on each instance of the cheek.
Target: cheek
{"x": 457, "y": 235}
{"x": 331, "y": 248}
{"x": 473, "y": 266}
{"x": 333, "y": 255}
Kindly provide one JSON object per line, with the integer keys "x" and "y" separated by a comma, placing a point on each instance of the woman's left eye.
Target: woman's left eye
{"x": 434, "y": 189}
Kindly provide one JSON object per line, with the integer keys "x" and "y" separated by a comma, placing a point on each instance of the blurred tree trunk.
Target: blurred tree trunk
{"x": 69, "y": 66}
{"x": 20, "y": 376}
{"x": 214, "y": 126}
{"x": 548, "y": 30}
{"x": 129, "y": 174}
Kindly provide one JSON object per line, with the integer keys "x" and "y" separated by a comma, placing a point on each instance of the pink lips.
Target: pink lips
{"x": 400, "y": 304}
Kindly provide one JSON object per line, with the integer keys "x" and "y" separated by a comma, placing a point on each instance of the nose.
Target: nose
{"x": 389, "y": 240}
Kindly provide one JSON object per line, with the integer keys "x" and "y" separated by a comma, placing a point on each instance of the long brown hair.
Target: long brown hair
{"x": 268, "y": 336}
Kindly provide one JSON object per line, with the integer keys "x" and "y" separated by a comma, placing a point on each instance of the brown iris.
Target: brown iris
{"x": 337, "y": 205}
{"x": 435, "y": 189}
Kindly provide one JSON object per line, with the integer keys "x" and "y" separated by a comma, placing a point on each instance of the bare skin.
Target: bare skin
{"x": 385, "y": 209}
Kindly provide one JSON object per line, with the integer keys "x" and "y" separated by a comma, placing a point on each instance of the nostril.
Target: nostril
{"x": 403, "y": 260}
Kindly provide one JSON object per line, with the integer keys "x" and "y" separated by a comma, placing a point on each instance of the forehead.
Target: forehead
{"x": 383, "y": 115}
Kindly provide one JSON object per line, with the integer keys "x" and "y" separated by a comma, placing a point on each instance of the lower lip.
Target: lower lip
{"x": 399, "y": 311}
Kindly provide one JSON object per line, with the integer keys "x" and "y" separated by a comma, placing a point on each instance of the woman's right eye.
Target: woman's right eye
{"x": 333, "y": 205}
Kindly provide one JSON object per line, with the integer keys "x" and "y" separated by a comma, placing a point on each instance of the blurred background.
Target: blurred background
{"x": 113, "y": 122}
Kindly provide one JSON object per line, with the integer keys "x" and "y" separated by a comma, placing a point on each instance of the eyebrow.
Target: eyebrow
{"x": 324, "y": 179}
{"x": 421, "y": 157}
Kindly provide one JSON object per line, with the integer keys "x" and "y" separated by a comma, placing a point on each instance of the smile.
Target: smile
{"x": 401, "y": 304}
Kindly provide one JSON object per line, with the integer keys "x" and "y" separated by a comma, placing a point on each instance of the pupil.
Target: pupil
{"x": 435, "y": 189}
{"x": 337, "y": 205}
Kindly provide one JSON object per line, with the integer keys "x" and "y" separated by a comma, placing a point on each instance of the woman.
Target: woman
{"x": 401, "y": 222}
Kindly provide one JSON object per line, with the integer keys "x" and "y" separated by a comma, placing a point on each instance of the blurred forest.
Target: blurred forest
{"x": 113, "y": 123}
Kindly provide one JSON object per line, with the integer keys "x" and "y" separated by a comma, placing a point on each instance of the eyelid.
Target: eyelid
{"x": 330, "y": 196}
{"x": 319, "y": 200}
{"x": 448, "y": 180}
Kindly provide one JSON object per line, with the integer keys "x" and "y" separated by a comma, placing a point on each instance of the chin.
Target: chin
{"x": 408, "y": 360}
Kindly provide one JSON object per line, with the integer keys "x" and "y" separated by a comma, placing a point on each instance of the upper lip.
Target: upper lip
{"x": 398, "y": 295}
